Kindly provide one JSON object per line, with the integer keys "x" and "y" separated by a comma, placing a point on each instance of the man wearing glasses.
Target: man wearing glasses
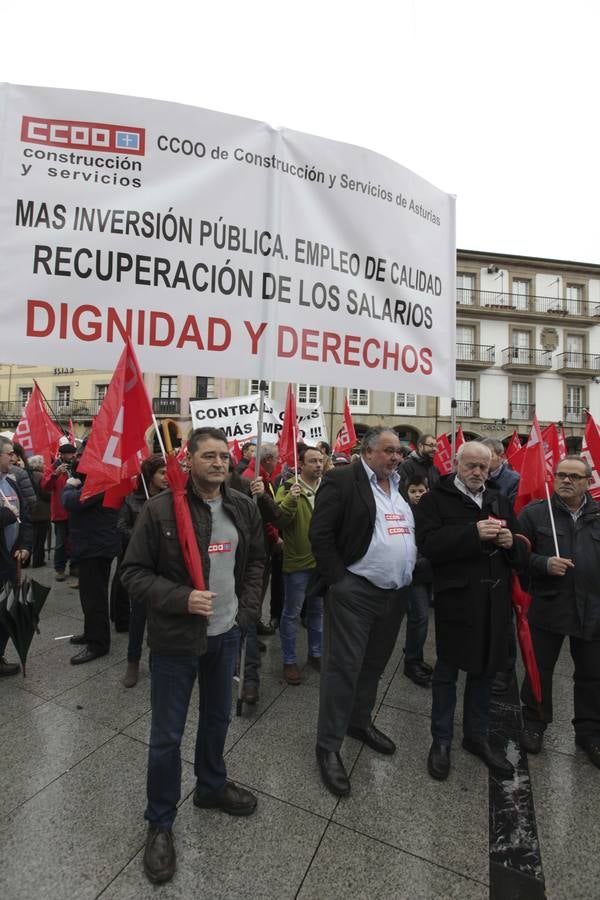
{"x": 420, "y": 462}
{"x": 566, "y": 601}
{"x": 15, "y": 535}
{"x": 362, "y": 537}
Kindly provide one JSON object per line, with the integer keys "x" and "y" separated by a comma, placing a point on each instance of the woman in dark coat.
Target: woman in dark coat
{"x": 40, "y": 513}
{"x": 154, "y": 477}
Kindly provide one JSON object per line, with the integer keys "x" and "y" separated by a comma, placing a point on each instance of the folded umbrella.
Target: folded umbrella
{"x": 21, "y": 602}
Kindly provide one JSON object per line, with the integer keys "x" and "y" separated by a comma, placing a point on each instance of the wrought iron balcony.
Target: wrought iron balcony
{"x": 574, "y": 414}
{"x": 526, "y": 358}
{"x": 467, "y": 409}
{"x": 578, "y": 363}
{"x": 63, "y": 411}
{"x": 533, "y": 305}
{"x": 475, "y": 356}
{"x": 522, "y": 412}
{"x": 166, "y": 406}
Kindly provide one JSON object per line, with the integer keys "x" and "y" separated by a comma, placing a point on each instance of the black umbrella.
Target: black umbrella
{"x": 20, "y": 607}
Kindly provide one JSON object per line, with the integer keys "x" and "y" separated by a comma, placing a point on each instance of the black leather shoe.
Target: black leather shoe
{"x": 373, "y": 738}
{"x": 7, "y": 668}
{"x": 77, "y": 639}
{"x": 86, "y": 655}
{"x": 494, "y": 759}
{"x": 159, "y": 856}
{"x": 333, "y": 772}
{"x": 232, "y": 799}
{"x": 438, "y": 761}
{"x": 250, "y": 694}
{"x": 531, "y": 739}
{"x": 591, "y": 745}
{"x": 417, "y": 675}
{"x": 502, "y": 682}
{"x": 264, "y": 630}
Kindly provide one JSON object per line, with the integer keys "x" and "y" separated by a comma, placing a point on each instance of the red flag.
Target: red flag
{"x": 460, "y": 438}
{"x": 521, "y": 602}
{"x": 183, "y": 520}
{"x": 590, "y": 450}
{"x": 235, "y": 451}
{"x": 71, "y": 433}
{"x": 514, "y": 447}
{"x": 36, "y": 432}
{"x": 562, "y": 444}
{"x": 551, "y": 451}
{"x": 181, "y": 453}
{"x": 288, "y": 436}
{"x": 443, "y": 457}
{"x": 118, "y": 436}
{"x": 346, "y": 436}
{"x": 534, "y": 475}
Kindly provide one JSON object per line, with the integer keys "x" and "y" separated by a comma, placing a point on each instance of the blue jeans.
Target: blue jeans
{"x": 417, "y": 620}
{"x": 295, "y": 587}
{"x": 173, "y": 679}
{"x": 476, "y": 703}
{"x": 137, "y": 625}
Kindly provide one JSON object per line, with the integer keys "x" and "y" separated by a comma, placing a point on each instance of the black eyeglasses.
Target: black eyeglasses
{"x": 562, "y": 476}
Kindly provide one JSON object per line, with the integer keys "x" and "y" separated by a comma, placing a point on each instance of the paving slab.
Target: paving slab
{"x": 15, "y": 699}
{"x": 351, "y": 865}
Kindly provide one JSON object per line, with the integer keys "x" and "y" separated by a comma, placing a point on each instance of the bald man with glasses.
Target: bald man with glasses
{"x": 566, "y": 602}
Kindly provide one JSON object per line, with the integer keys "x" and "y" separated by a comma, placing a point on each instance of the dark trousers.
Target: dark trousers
{"x": 277, "y": 590}
{"x": 417, "y": 621}
{"x": 40, "y": 531}
{"x": 137, "y": 626}
{"x": 586, "y": 682}
{"x": 361, "y": 625}
{"x": 476, "y": 703}
{"x": 93, "y": 591}
{"x": 173, "y": 679}
{"x": 61, "y": 538}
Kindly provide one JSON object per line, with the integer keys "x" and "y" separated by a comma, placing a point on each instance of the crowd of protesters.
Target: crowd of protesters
{"x": 349, "y": 545}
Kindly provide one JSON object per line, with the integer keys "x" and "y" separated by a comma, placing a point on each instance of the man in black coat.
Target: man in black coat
{"x": 467, "y": 533}
{"x": 362, "y": 537}
{"x": 194, "y": 635}
{"x": 566, "y": 601}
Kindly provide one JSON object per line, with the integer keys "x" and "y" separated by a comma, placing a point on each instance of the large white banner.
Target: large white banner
{"x": 238, "y": 417}
{"x": 221, "y": 245}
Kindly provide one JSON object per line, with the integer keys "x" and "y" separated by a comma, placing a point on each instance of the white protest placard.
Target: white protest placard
{"x": 222, "y": 246}
{"x": 238, "y": 418}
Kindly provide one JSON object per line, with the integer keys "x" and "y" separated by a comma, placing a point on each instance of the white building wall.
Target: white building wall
{"x": 493, "y": 394}
{"x": 549, "y": 398}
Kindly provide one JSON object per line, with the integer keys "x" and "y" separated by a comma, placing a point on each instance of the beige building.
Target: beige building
{"x": 527, "y": 338}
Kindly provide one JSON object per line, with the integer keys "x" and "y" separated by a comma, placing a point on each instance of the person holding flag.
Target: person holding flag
{"x": 564, "y": 569}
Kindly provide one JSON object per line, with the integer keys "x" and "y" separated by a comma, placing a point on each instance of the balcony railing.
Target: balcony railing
{"x": 574, "y": 414}
{"x": 582, "y": 362}
{"x": 502, "y": 300}
{"x": 166, "y": 406}
{"x": 75, "y": 409}
{"x": 467, "y": 409}
{"x": 484, "y": 354}
{"x": 523, "y": 412}
{"x": 524, "y": 356}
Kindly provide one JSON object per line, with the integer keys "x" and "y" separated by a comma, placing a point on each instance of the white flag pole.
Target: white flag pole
{"x": 551, "y": 514}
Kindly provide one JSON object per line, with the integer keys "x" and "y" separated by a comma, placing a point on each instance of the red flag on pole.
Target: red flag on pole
{"x": 71, "y": 433}
{"x": 590, "y": 450}
{"x": 513, "y": 450}
{"x": 532, "y": 485}
{"x": 562, "y": 444}
{"x": 178, "y": 480}
{"x": 346, "y": 436}
{"x": 443, "y": 456}
{"x": 36, "y": 432}
{"x": 288, "y": 436}
{"x": 460, "y": 439}
{"x": 521, "y": 602}
{"x": 551, "y": 451}
{"x": 118, "y": 436}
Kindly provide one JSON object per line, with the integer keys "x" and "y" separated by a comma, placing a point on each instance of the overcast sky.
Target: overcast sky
{"x": 497, "y": 103}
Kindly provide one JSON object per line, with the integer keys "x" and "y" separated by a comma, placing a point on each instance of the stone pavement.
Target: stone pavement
{"x": 73, "y": 745}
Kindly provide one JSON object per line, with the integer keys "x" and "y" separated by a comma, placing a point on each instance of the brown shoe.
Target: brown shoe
{"x": 131, "y": 675}
{"x": 314, "y": 662}
{"x": 291, "y": 673}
